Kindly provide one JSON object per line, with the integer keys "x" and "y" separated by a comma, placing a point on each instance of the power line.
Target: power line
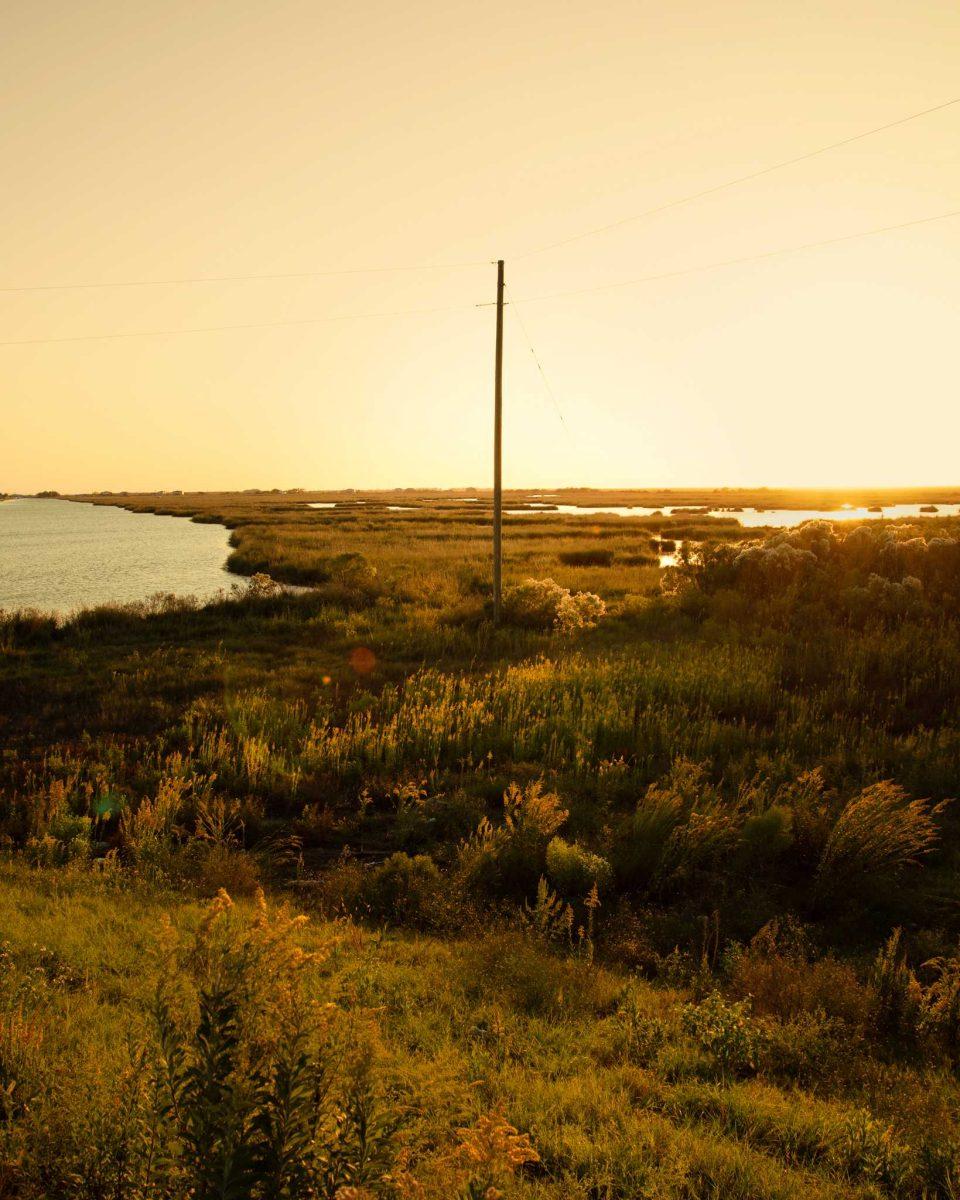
{"x": 710, "y": 191}
{"x": 732, "y": 262}
{"x": 94, "y": 337}
{"x": 536, "y": 358}
{"x": 136, "y": 283}
{"x": 459, "y": 266}
{"x": 99, "y": 337}
{"x": 410, "y": 268}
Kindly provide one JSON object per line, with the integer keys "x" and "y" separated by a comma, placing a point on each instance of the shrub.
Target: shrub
{"x": 543, "y": 604}
{"x": 897, "y": 995}
{"x": 249, "y": 1096}
{"x": 352, "y": 570}
{"x": 574, "y": 869}
{"x": 26, "y": 627}
{"x": 213, "y": 866}
{"x": 877, "y": 835}
{"x": 778, "y": 973}
{"x": 510, "y": 858}
{"x": 810, "y": 1047}
{"x": 726, "y": 1031}
{"x": 67, "y": 840}
{"x": 262, "y": 587}
{"x": 579, "y": 610}
{"x": 351, "y": 581}
{"x": 403, "y": 890}
{"x": 514, "y": 970}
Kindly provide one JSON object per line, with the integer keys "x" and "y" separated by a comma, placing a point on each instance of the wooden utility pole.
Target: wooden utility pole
{"x": 497, "y": 455}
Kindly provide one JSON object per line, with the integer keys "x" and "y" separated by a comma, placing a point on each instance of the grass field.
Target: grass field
{"x": 655, "y": 897}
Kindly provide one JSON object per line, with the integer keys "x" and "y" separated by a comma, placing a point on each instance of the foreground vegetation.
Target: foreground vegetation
{"x": 701, "y": 817}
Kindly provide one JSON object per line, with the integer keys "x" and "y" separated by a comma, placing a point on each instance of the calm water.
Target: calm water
{"x": 58, "y": 556}
{"x": 749, "y": 518}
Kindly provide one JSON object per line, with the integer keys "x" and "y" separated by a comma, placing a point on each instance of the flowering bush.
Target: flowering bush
{"x": 544, "y": 604}
{"x": 402, "y": 889}
{"x": 261, "y": 586}
{"x": 871, "y": 570}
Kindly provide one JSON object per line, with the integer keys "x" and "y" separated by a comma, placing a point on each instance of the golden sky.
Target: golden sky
{"x": 146, "y": 141}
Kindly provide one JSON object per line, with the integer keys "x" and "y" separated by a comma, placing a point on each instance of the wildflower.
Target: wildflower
{"x": 493, "y": 1149}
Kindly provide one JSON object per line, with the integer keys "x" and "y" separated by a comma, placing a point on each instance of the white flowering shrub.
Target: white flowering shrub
{"x": 261, "y": 586}
{"x": 871, "y": 570}
{"x": 544, "y": 604}
{"x": 579, "y": 610}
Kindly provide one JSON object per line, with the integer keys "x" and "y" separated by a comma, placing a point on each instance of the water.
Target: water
{"x": 782, "y": 518}
{"x": 749, "y": 518}
{"x": 58, "y": 556}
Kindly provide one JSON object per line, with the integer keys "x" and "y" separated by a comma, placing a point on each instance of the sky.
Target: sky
{"x": 158, "y": 142}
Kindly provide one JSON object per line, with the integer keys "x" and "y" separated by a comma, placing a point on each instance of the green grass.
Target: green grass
{"x": 453, "y": 1041}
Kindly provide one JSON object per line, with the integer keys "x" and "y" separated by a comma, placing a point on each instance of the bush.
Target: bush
{"x": 247, "y": 1099}
{"x": 26, "y": 627}
{"x": 241, "y": 1085}
{"x": 543, "y": 604}
{"x": 782, "y": 979}
{"x": 211, "y": 867}
{"x": 403, "y": 890}
{"x": 262, "y": 587}
{"x": 574, "y": 870}
{"x": 871, "y": 572}
{"x": 897, "y": 995}
{"x": 726, "y": 1031}
{"x": 352, "y": 570}
{"x": 351, "y": 581}
{"x": 508, "y": 859}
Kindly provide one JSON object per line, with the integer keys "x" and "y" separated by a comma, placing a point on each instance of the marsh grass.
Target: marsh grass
{"x": 493, "y": 826}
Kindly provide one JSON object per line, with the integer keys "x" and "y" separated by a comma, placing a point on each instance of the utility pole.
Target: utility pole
{"x": 497, "y": 455}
